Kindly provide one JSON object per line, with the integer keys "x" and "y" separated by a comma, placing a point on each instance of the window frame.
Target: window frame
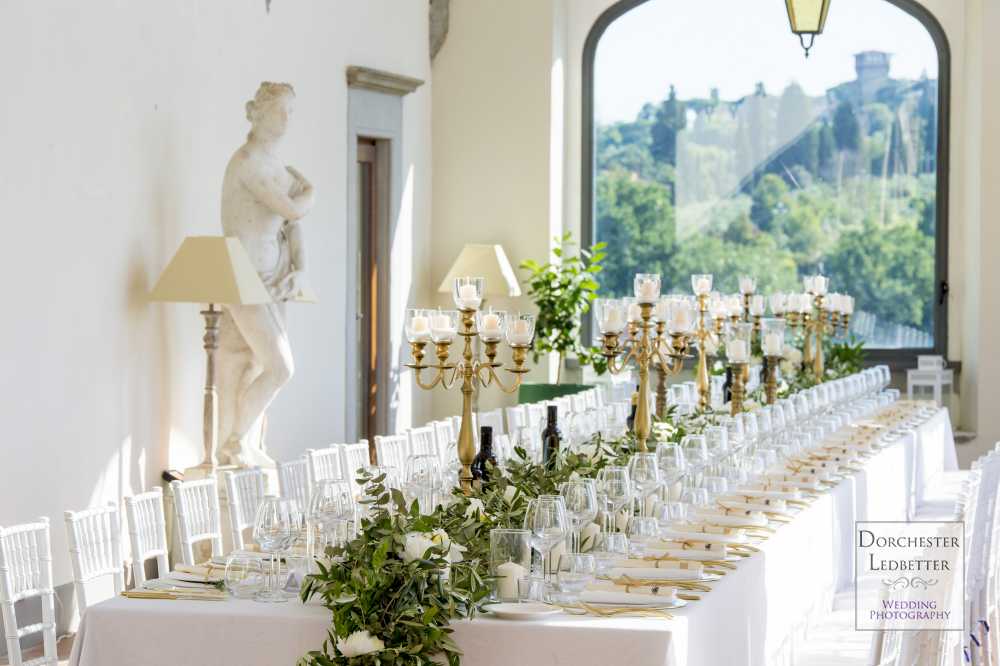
{"x": 896, "y": 358}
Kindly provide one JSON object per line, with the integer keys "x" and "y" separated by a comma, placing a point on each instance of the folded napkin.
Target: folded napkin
{"x": 731, "y": 518}
{"x": 664, "y": 565}
{"x": 652, "y": 573}
{"x": 791, "y": 480}
{"x": 605, "y": 592}
{"x": 167, "y": 583}
{"x": 196, "y": 574}
{"x": 739, "y": 501}
{"x": 716, "y": 534}
{"x": 761, "y": 491}
{"x": 690, "y": 551}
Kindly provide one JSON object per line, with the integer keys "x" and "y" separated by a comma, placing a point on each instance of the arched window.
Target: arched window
{"x": 711, "y": 144}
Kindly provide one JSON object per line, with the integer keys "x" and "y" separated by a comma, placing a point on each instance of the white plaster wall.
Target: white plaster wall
{"x": 117, "y": 121}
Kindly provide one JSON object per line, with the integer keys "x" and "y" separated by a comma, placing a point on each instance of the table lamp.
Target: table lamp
{"x": 488, "y": 261}
{"x": 214, "y": 270}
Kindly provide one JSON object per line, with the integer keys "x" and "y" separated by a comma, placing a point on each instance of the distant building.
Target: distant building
{"x": 872, "y": 69}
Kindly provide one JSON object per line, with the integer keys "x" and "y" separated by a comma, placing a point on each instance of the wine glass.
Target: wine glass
{"x": 547, "y": 520}
{"x": 615, "y": 483}
{"x": 581, "y": 507}
{"x": 670, "y": 459}
{"x": 324, "y": 510}
{"x": 272, "y": 530}
{"x": 294, "y": 550}
{"x": 645, "y": 474}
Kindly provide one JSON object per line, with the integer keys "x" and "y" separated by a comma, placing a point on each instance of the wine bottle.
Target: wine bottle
{"x": 635, "y": 405}
{"x": 485, "y": 458}
{"x": 551, "y": 438}
{"x": 727, "y": 387}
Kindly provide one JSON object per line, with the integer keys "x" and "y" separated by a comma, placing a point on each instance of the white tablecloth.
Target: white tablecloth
{"x": 753, "y": 616}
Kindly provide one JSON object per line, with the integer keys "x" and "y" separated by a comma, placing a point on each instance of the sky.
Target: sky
{"x": 731, "y": 44}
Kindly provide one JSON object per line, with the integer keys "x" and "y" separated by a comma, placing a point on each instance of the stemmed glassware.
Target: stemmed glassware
{"x": 644, "y": 472}
{"x": 615, "y": 484}
{"x": 670, "y": 459}
{"x": 581, "y": 507}
{"x": 547, "y": 520}
{"x": 272, "y": 531}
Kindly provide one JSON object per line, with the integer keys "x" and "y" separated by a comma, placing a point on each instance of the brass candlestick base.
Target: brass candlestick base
{"x": 738, "y": 388}
{"x": 771, "y": 380}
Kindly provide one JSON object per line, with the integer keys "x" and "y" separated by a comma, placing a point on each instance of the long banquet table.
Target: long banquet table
{"x": 753, "y": 616}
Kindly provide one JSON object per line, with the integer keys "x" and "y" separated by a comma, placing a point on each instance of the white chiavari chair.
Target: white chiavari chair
{"x": 147, "y": 533}
{"x": 392, "y": 451}
{"x": 95, "y": 551}
{"x": 493, "y": 419}
{"x": 324, "y": 464}
{"x": 456, "y": 424}
{"x": 536, "y": 416}
{"x": 503, "y": 449}
{"x": 244, "y": 489}
{"x": 196, "y": 505}
{"x": 422, "y": 441}
{"x": 353, "y": 457}
{"x": 293, "y": 480}
{"x": 447, "y": 439}
{"x": 26, "y": 572}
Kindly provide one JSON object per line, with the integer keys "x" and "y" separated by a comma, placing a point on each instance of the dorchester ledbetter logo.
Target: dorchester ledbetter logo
{"x": 909, "y": 576}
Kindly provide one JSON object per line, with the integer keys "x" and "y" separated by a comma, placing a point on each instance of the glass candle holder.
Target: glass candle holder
{"x": 444, "y": 325}
{"x": 520, "y": 329}
{"x": 701, "y": 283}
{"x": 510, "y": 561}
{"x": 681, "y": 315}
{"x": 610, "y": 314}
{"x": 632, "y": 310}
{"x": 757, "y": 305}
{"x": 418, "y": 325}
{"x": 468, "y": 292}
{"x": 738, "y": 343}
{"x": 647, "y": 287}
{"x": 748, "y": 285}
{"x": 490, "y": 325}
{"x": 772, "y": 340}
{"x": 779, "y": 303}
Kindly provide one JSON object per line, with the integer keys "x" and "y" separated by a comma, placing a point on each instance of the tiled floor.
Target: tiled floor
{"x": 65, "y": 646}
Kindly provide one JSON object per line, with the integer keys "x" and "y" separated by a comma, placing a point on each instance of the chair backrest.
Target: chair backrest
{"x": 353, "y": 457}
{"x": 422, "y": 441}
{"x": 590, "y": 398}
{"x": 517, "y": 418}
{"x": 445, "y": 432}
{"x": 392, "y": 451}
{"x": 293, "y": 480}
{"x": 493, "y": 419}
{"x": 244, "y": 490}
{"x": 579, "y": 403}
{"x": 536, "y": 415}
{"x": 25, "y": 572}
{"x": 147, "y": 533}
{"x": 503, "y": 449}
{"x": 324, "y": 464}
{"x": 196, "y": 504}
{"x": 95, "y": 550}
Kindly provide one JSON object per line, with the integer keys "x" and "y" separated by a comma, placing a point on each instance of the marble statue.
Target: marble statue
{"x": 263, "y": 202}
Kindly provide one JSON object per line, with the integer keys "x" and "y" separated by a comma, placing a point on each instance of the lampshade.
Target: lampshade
{"x": 211, "y": 269}
{"x": 807, "y": 16}
{"x": 488, "y": 261}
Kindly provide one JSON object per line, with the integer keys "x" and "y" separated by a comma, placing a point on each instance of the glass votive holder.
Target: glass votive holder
{"x": 244, "y": 576}
{"x": 530, "y": 589}
{"x": 510, "y": 561}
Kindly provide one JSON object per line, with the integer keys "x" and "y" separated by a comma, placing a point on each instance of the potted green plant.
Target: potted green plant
{"x": 563, "y": 290}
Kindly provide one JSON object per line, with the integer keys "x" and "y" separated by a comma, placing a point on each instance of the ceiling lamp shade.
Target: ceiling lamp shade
{"x": 807, "y": 17}
{"x": 211, "y": 269}
{"x": 488, "y": 261}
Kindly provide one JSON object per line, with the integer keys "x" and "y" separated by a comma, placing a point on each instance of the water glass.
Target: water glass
{"x": 510, "y": 561}
{"x": 576, "y": 572}
{"x": 643, "y": 531}
{"x": 244, "y": 576}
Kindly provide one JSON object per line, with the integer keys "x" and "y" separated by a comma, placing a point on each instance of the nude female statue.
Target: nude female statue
{"x": 262, "y": 203}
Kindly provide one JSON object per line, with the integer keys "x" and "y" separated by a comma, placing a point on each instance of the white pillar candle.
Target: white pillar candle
{"x": 747, "y": 285}
{"x": 490, "y": 324}
{"x": 613, "y": 321}
{"x": 634, "y": 312}
{"x": 772, "y": 344}
{"x": 508, "y": 574}
{"x": 778, "y": 303}
{"x": 520, "y": 333}
{"x": 737, "y": 352}
{"x": 648, "y": 291}
{"x": 468, "y": 297}
{"x": 757, "y": 305}
{"x": 702, "y": 285}
{"x": 662, "y": 311}
{"x": 420, "y": 328}
{"x": 441, "y": 328}
{"x": 681, "y": 317}
{"x": 820, "y": 284}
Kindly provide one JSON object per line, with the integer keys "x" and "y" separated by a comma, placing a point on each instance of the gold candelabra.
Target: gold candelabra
{"x": 738, "y": 388}
{"x": 771, "y": 378}
{"x": 817, "y": 319}
{"x": 703, "y": 333}
{"x": 471, "y": 373}
{"x": 649, "y": 345}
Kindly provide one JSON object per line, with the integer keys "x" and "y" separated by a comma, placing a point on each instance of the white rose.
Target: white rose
{"x": 359, "y": 643}
{"x": 508, "y": 493}
{"x": 441, "y": 538}
{"x": 415, "y": 545}
{"x": 475, "y": 507}
{"x": 589, "y": 450}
